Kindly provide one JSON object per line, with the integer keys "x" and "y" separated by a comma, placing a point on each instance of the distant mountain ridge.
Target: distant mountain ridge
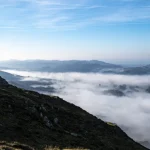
{"x": 58, "y": 66}
{"x": 81, "y": 66}
{"x": 137, "y": 70}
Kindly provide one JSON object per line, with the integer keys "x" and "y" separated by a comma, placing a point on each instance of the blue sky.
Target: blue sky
{"x": 109, "y": 30}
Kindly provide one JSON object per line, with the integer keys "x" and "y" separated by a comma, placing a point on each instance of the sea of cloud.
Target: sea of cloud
{"x": 130, "y": 112}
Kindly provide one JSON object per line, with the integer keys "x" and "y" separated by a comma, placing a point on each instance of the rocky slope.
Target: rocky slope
{"x": 38, "y": 121}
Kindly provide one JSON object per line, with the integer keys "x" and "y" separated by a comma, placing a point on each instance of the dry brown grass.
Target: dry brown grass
{"x": 17, "y": 146}
{"x": 13, "y": 146}
{"x": 49, "y": 148}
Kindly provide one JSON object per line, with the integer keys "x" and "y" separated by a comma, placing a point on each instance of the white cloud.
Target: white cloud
{"x": 131, "y": 113}
{"x": 79, "y": 13}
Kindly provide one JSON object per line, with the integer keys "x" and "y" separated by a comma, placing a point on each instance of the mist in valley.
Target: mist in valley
{"x": 121, "y": 99}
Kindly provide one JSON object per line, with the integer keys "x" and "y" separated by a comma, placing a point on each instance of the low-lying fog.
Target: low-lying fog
{"x": 121, "y": 99}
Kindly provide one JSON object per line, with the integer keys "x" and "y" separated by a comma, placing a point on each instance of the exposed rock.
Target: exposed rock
{"x": 74, "y": 134}
{"x": 43, "y": 108}
{"x": 47, "y": 122}
{"x": 41, "y": 115}
{"x": 56, "y": 120}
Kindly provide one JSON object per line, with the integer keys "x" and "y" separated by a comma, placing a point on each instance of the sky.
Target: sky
{"x": 108, "y": 30}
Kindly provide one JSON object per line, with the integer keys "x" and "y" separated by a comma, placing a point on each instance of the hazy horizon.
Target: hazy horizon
{"x": 123, "y": 63}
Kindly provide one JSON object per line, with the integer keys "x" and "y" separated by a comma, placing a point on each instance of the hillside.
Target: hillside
{"x": 137, "y": 70}
{"x": 9, "y": 77}
{"x": 36, "y": 121}
{"x": 82, "y": 66}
